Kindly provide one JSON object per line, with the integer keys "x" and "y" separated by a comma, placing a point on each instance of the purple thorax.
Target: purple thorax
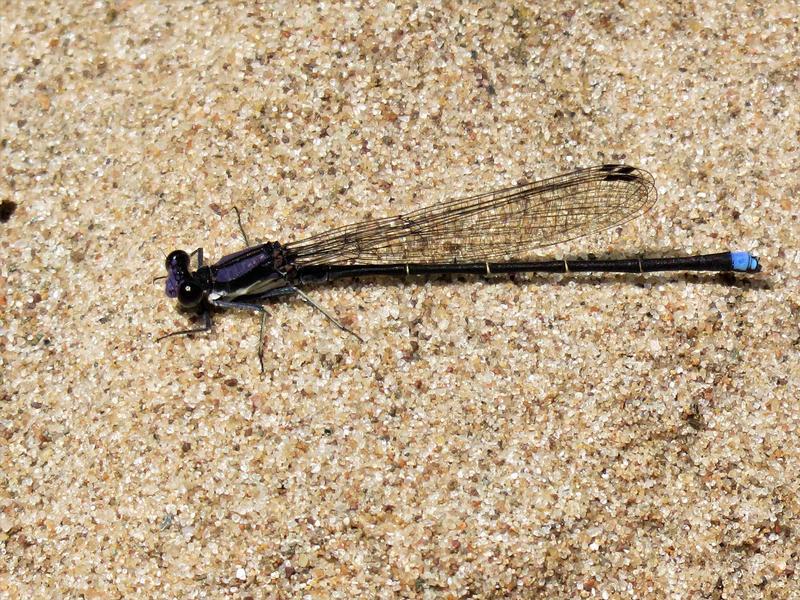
{"x": 233, "y": 266}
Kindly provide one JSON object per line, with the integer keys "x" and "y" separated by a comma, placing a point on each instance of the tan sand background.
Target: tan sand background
{"x": 549, "y": 437}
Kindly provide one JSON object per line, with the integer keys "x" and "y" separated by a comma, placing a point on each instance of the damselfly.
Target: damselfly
{"x": 486, "y": 234}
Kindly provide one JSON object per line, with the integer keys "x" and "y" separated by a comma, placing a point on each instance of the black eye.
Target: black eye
{"x": 189, "y": 294}
{"x": 177, "y": 260}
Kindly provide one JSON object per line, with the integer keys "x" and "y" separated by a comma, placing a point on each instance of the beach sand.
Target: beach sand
{"x": 554, "y": 436}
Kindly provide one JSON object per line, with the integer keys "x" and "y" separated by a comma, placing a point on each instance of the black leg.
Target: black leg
{"x": 313, "y": 304}
{"x": 261, "y": 341}
{"x": 255, "y": 308}
{"x": 199, "y": 253}
{"x": 206, "y": 327}
{"x": 239, "y": 220}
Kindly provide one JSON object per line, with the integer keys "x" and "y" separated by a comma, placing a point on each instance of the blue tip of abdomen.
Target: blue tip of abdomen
{"x": 745, "y": 262}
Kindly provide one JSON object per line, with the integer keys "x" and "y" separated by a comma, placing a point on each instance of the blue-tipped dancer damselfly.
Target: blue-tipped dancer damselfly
{"x": 486, "y": 234}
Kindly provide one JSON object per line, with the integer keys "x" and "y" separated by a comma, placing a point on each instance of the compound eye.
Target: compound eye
{"x": 177, "y": 260}
{"x": 189, "y": 294}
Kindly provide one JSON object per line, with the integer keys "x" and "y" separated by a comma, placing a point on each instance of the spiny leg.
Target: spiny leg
{"x": 291, "y": 288}
{"x": 310, "y": 302}
{"x": 199, "y": 253}
{"x": 261, "y": 341}
{"x": 206, "y": 327}
{"x": 239, "y": 220}
{"x": 324, "y": 312}
{"x": 260, "y": 309}
{"x": 255, "y": 308}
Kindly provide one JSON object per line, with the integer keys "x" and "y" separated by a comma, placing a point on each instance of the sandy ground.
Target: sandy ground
{"x": 546, "y": 437}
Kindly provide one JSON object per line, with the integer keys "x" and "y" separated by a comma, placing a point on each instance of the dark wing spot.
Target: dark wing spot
{"x": 620, "y": 177}
{"x": 616, "y": 168}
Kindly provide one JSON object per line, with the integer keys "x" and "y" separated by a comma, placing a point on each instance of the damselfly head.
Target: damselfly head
{"x": 181, "y": 283}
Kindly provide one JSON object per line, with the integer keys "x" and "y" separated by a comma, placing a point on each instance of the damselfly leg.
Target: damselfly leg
{"x": 199, "y": 253}
{"x": 207, "y": 323}
{"x": 255, "y": 308}
{"x": 289, "y": 289}
{"x": 313, "y": 304}
{"x": 241, "y": 228}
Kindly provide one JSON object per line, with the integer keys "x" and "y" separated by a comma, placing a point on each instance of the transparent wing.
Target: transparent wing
{"x": 501, "y": 224}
